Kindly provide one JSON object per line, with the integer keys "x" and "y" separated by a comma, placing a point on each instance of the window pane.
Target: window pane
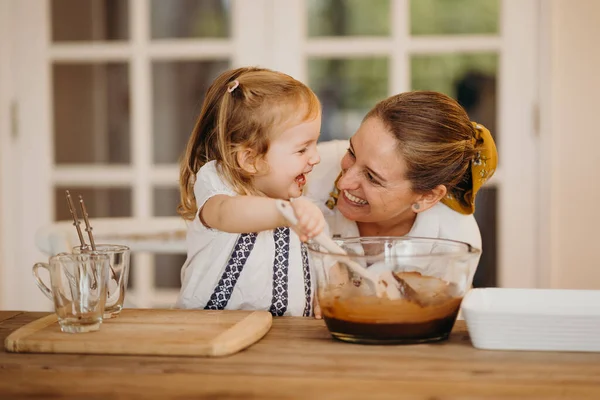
{"x": 178, "y": 92}
{"x": 348, "y": 89}
{"x": 79, "y": 20}
{"x": 167, "y": 270}
{"x": 348, "y": 17}
{"x": 442, "y": 17}
{"x": 166, "y": 201}
{"x": 100, "y": 202}
{"x": 91, "y": 113}
{"x": 190, "y": 18}
{"x": 469, "y": 78}
{"x": 485, "y": 214}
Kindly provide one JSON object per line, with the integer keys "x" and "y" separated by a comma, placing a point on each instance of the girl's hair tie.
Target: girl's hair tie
{"x": 231, "y": 88}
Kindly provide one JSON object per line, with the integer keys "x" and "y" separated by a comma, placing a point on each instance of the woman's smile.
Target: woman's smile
{"x": 353, "y": 199}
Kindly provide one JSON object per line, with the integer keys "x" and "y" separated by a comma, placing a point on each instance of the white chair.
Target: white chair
{"x": 155, "y": 235}
{"x": 143, "y": 236}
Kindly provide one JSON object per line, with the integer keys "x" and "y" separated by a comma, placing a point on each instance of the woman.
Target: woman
{"x": 413, "y": 168}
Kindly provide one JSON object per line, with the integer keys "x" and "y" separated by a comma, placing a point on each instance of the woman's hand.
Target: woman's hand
{"x": 311, "y": 221}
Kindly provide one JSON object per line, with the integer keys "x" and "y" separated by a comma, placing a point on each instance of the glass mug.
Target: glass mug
{"x": 119, "y": 256}
{"x": 77, "y": 288}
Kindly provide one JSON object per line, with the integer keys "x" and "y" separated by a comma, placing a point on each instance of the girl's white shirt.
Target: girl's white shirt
{"x": 209, "y": 252}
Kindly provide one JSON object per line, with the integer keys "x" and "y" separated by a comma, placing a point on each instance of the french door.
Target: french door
{"x": 104, "y": 94}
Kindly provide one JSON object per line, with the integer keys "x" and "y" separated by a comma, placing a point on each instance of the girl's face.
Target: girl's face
{"x": 373, "y": 187}
{"x": 291, "y": 156}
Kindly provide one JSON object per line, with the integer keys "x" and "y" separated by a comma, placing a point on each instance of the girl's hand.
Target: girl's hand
{"x": 311, "y": 221}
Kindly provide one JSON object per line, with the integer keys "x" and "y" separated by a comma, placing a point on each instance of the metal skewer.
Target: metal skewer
{"x": 76, "y": 222}
{"x": 84, "y": 247}
{"x": 88, "y": 227}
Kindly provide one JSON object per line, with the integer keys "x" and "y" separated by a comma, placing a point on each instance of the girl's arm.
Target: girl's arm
{"x": 241, "y": 214}
{"x": 245, "y": 214}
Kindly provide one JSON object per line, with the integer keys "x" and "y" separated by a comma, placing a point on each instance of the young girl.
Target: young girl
{"x": 255, "y": 141}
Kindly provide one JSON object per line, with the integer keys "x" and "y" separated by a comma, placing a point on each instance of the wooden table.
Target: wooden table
{"x": 298, "y": 359}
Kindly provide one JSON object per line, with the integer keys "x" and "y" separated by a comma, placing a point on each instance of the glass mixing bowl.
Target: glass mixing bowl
{"x": 432, "y": 276}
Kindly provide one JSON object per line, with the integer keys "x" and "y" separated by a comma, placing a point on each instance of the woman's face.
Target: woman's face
{"x": 373, "y": 187}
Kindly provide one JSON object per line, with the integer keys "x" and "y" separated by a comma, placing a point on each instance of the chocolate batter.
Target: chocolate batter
{"x": 426, "y": 314}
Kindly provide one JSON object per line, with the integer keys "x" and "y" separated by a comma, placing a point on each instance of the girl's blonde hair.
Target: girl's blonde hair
{"x": 242, "y": 109}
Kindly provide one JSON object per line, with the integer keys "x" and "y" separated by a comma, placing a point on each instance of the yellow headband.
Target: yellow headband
{"x": 483, "y": 167}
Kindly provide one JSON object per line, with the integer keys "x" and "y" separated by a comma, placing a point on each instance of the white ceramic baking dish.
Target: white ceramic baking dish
{"x": 533, "y": 319}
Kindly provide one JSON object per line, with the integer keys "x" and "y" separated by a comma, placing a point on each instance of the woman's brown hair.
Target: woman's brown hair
{"x": 242, "y": 109}
{"x": 435, "y": 138}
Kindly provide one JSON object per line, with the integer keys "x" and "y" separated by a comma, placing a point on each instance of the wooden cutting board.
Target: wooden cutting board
{"x": 148, "y": 332}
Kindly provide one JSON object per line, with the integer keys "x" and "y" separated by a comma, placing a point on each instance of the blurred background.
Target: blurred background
{"x": 100, "y": 96}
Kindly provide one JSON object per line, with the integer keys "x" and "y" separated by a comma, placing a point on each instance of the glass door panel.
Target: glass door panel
{"x": 100, "y": 202}
{"x": 348, "y": 89}
{"x": 186, "y": 19}
{"x": 443, "y": 17}
{"x": 178, "y": 90}
{"x": 89, "y": 20}
{"x": 470, "y": 78}
{"x": 348, "y": 18}
{"x": 91, "y": 113}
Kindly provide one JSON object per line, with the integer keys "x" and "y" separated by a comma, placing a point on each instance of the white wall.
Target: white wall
{"x": 570, "y": 177}
{"x": 4, "y": 128}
